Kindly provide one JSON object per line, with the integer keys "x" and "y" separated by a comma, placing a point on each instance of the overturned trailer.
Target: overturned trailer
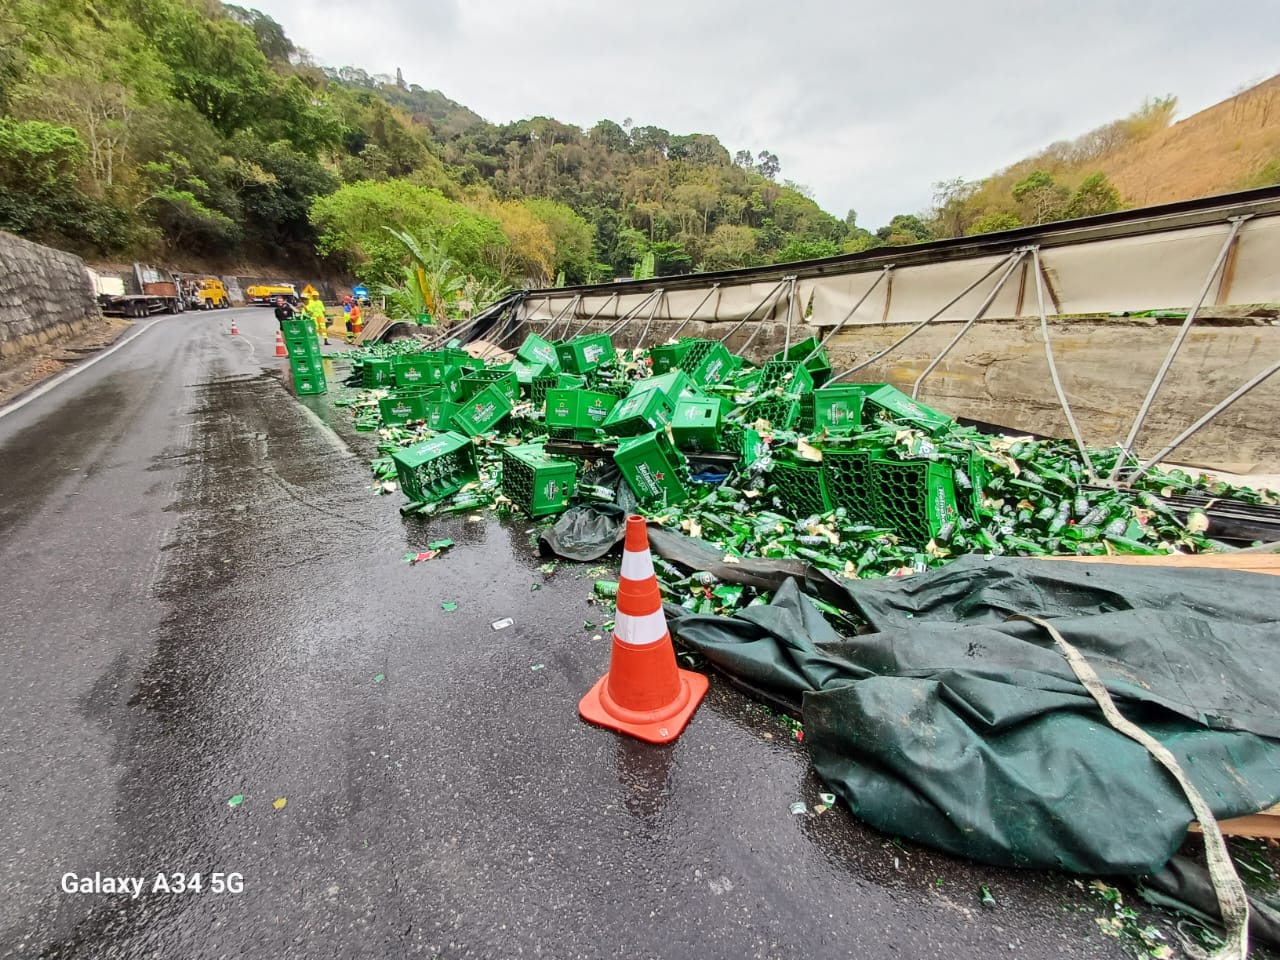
{"x": 1154, "y": 329}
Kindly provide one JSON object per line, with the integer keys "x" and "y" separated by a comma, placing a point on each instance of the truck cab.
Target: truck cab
{"x": 212, "y": 294}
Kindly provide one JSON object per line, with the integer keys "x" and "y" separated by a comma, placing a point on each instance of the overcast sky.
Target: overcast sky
{"x": 867, "y": 103}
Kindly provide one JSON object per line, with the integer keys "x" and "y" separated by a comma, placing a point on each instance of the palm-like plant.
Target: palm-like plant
{"x": 435, "y": 284}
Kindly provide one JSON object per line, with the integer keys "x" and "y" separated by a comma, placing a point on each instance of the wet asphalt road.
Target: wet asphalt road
{"x": 200, "y": 594}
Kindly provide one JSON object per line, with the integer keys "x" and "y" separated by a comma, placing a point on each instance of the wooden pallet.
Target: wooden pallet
{"x": 1268, "y": 563}
{"x": 1265, "y": 824}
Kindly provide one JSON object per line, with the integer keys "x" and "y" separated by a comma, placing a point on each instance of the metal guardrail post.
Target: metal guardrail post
{"x": 925, "y": 322}
{"x": 1195, "y": 427}
{"x": 1127, "y": 446}
{"x": 884, "y": 272}
{"x": 986, "y": 304}
{"x": 1053, "y": 368}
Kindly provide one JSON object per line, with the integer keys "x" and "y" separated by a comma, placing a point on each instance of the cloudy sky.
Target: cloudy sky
{"x": 868, "y": 103}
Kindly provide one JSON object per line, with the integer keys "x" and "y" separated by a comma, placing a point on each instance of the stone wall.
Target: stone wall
{"x": 998, "y": 374}
{"x": 44, "y": 296}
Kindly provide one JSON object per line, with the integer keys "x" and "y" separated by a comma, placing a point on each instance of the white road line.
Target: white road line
{"x": 66, "y": 375}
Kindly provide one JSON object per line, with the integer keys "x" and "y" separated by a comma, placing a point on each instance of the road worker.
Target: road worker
{"x": 315, "y": 310}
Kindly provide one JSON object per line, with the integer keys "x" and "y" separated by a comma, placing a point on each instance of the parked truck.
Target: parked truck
{"x": 153, "y": 291}
{"x": 206, "y": 293}
{"x": 264, "y": 294}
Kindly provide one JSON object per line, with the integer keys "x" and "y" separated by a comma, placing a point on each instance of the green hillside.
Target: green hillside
{"x": 193, "y": 129}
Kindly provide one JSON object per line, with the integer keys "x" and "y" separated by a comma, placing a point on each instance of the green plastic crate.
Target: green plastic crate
{"x": 675, "y": 384}
{"x": 653, "y": 468}
{"x": 800, "y": 485}
{"x": 552, "y": 381}
{"x": 695, "y": 424}
{"x": 837, "y": 408}
{"x": 376, "y": 372}
{"x": 578, "y": 409}
{"x": 535, "y": 482}
{"x": 892, "y": 404}
{"x": 848, "y": 477}
{"x": 979, "y": 474}
{"x": 667, "y": 356}
{"x": 305, "y": 366}
{"x": 298, "y": 329}
{"x": 914, "y": 498}
{"x": 310, "y": 385}
{"x": 642, "y": 410}
{"x": 482, "y": 412}
{"x": 439, "y": 412}
{"x": 583, "y": 354}
{"x": 536, "y": 350}
{"x": 813, "y": 357}
{"x": 780, "y": 413}
{"x": 413, "y": 371}
{"x": 616, "y": 388}
{"x": 714, "y": 366}
{"x": 447, "y": 366}
{"x": 476, "y": 380}
{"x": 526, "y": 373}
{"x": 402, "y": 406}
{"x": 302, "y": 346}
{"x": 788, "y": 376}
{"x": 436, "y": 468}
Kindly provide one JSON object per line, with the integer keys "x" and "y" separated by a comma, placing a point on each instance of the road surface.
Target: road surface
{"x": 203, "y": 599}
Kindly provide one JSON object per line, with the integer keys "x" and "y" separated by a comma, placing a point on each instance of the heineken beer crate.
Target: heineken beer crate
{"x": 436, "y": 468}
{"x": 535, "y": 482}
{"x": 643, "y": 410}
{"x": 653, "y": 468}
{"x": 482, "y": 412}
{"x": 578, "y": 409}
{"x": 583, "y": 354}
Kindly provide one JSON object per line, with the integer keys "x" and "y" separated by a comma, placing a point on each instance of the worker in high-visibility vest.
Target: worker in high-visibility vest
{"x": 315, "y": 310}
{"x": 357, "y": 321}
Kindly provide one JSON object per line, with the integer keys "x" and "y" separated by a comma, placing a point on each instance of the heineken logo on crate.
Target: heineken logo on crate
{"x": 562, "y": 409}
{"x": 431, "y": 446}
{"x": 713, "y": 370}
{"x": 940, "y": 496}
{"x": 650, "y": 480}
{"x": 412, "y": 373}
{"x": 592, "y": 353}
{"x": 401, "y": 409}
{"x": 838, "y": 412}
{"x": 545, "y": 354}
{"x": 551, "y": 490}
{"x": 483, "y": 411}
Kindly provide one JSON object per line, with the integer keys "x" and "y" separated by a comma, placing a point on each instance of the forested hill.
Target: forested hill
{"x": 194, "y": 130}
{"x": 189, "y": 128}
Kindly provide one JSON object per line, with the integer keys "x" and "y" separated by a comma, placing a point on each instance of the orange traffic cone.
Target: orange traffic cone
{"x": 280, "y": 350}
{"x": 644, "y": 694}
{"x": 234, "y": 331}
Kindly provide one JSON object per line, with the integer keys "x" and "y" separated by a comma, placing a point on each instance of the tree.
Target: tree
{"x": 992, "y": 223}
{"x": 743, "y": 159}
{"x": 1040, "y": 197}
{"x": 904, "y": 229}
{"x": 1096, "y": 194}
{"x": 806, "y": 250}
{"x": 767, "y": 165}
{"x": 952, "y": 209}
{"x": 670, "y": 258}
{"x": 730, "y": 246}
{"x": 571, "y": 236}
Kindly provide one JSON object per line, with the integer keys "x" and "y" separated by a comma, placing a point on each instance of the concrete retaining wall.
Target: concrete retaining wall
{"x": 44, "y": 296}
{"x": 998, "y": 374}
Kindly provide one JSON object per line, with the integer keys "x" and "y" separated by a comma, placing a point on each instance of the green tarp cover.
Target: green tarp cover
{"x": 949, "y": 726}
